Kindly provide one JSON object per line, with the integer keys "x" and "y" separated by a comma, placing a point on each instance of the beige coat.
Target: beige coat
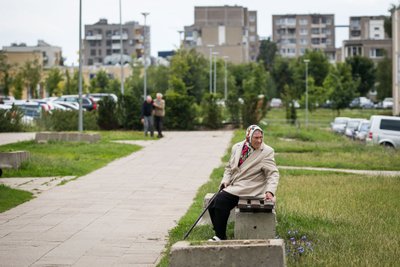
{"x": 257, "y": 175}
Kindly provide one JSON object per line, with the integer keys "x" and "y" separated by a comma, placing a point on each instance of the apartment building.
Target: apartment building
{"x": 367, "y": 38}
{"x": 295, "y": 33}
{"x": 230, "y": 31}
{"x": 102, "y": 42}
{"x": 47, "y": 55}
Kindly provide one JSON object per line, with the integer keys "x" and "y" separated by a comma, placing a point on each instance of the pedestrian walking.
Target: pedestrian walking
{"x": 147, "y": 116}
{"x": 159, "y": 113}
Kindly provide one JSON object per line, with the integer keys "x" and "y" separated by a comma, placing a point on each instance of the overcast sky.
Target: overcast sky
{"x": 57, "y": 21}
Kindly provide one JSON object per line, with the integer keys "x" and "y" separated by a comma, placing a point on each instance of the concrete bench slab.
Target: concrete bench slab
{"x": 44, "y": 137}
{"x": 229, "y": 253}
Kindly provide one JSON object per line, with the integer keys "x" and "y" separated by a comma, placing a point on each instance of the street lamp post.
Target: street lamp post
{"x": 145, "y": 14}
{"x": 226, "y": 80}
{"x": 80, "y": 122}
{"x": 306, "y": 61}
{"x": 121, "y": 50}
{"x": 211, "y": 47}
{"x": 215, "y": 71}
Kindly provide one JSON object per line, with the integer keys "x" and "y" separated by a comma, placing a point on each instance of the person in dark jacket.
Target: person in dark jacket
{"x": 147, "y": 116}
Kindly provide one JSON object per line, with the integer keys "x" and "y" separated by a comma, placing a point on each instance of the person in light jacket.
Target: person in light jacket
{"x": 250, "y": 172}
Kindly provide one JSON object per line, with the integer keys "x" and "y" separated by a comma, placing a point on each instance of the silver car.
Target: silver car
{"x": 339, "y": 124}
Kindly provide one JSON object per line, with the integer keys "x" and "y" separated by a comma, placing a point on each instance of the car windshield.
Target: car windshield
{"x": 352, "y": 124}
{"x": 364, "y": 127}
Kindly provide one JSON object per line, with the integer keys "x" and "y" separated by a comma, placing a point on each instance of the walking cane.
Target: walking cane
{"x": 201, "y": 215}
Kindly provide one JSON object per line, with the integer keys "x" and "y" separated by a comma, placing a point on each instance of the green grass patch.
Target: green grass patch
{"x": 72, "y": 158}
{"x": 10, "y": 198}
{"x": 348, "y": 220}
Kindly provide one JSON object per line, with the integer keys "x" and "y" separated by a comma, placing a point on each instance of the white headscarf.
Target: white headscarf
{"x": 250, "y": 131}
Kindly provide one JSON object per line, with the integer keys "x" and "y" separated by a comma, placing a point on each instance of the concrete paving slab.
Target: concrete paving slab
{"x": 118, "y": 215}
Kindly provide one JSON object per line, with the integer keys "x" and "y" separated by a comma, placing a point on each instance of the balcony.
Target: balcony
{"x": 116, "y": 46}
{"x": 118, "y": 37}
{"x": 94, "y": 37}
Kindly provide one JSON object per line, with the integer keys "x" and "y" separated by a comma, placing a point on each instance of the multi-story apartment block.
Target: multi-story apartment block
{"x": 295, "y": 33}
{"x": 230, "y": 31}
{"x": 367, "y": 38}
{"x": 48, "y": 56}
{"x": 102, "y": 42}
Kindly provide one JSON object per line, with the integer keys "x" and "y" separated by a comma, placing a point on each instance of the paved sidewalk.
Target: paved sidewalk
{"x": 118, "y": 215}
{"x": 6, "y": 138}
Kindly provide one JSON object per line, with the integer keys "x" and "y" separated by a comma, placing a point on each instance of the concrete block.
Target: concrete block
{"x": 13, "y": 159}
{"x": 229, "y": 253}
{"x": 206, "y": 217}
{"x": 254, "y": 225}
{"x": 44, "y": 137}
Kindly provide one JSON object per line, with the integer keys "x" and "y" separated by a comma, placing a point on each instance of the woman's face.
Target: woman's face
{"x": 256, "y": 139}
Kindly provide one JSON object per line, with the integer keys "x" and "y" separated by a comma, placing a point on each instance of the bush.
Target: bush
{"x": 128, "y": 110}
{"x": 107, "y": 116}
{"x": 11, "y": 120}
{"x": 179, "y": 111}
{"x": 233, "y": 106}
{"x": 67, "y": 120}
{"x": 253, "y": 108}
{"x": 212, "y": 117}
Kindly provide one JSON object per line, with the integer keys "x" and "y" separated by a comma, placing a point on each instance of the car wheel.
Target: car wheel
{"x": 387, "y": 144}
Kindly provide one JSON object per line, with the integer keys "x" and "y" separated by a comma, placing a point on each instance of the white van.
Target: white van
{"x": 384, "y": 130}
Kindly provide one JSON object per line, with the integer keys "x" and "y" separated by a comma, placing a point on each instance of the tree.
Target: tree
{"x": 282, "y": 74}
{"x": 384, "y": 78}
{"x": 53, "y": 79}
{"x": 99, "y": 84}
{"x": 5, "y": 76}
{"x": 362, "y": 68}
{"x": 192, "y": 68}
{"x": 31, "y": 74}
{"x": 316, "y": 95}
{"x": 341, "y": 86}
{"x": 268, "y": 51}
{"x": 388, "y": 20}
{"x": 318, "y": 67}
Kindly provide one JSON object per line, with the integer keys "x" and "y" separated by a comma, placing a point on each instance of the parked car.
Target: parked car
{"x": 339, "y": 124}
{"x": 276, "y": 103}
{"x": 384, "y": 130}
{"x": 99, "y": 96}
{"x": 361, "y": 102}
{"x": 387, "y": 102}
{"x": 351, "y": 126}
{"x": 362, "y": 130}
{"x": 87, "y": 102}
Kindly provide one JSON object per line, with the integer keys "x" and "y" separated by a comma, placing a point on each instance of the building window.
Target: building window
{"x": 376, "y": 52}
{"x": 315, "y": 31}
{"x": 92, "y": 52}
{"x": 108, "y": 52}
{"x": 252, "y": 18}
{"x": 99, "y": 52}
{"x": 303, "y": 21}
{"x": 315, "y": 41}
{"x": 291, "y": 21}
{"x": 89, "y": 33}
{"x": 303, "y": 31}
{"x": 377, "y": 36}
{"x": 90, "y": 61}
{"x": 354, "y": 51}
{"x": 252, "y": 29}
{"x": 252, "y": 38}
{"x": 303, "y": 41}
{"x": 108, "y": 42}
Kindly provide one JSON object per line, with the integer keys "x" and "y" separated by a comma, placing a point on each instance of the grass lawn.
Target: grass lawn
{"x": 65, "y": 159}
{"x": 325, "y": 218}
